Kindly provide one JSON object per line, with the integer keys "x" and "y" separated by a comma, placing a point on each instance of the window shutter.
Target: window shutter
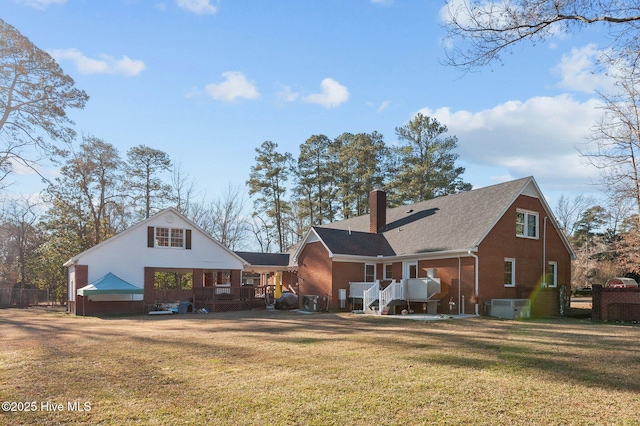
{"x": 151, "y": 231}
{"x": 187, "y": 242}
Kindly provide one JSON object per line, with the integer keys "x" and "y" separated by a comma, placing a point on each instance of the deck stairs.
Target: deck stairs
{"x": 377, "y": 300}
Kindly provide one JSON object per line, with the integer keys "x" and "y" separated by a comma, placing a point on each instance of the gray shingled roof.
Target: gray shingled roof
{"x": 354, "y": 242}
{"x": 265, "y": 259}
{"x": 452, "y": 222}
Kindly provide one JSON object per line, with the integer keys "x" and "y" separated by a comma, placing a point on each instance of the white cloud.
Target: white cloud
{"x": 332, "y": 94}
{"x": 286, "y": 94}
{"x": 384, "y": 105}
{"x": 199, "y": 7}
{"x": 41, "y": 4}
{"x": 382, "y": 2}
{"x": 537, "y": 137}
{"x": 105, "y": 64}
{"x": 235, "y": 86}
{"x": 578, "y": 71}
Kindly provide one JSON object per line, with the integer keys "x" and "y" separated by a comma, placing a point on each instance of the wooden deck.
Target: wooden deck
{"x": 225, "y": 299}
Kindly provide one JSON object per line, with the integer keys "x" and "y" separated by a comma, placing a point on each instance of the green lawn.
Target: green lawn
{"x": 283, "y": 368}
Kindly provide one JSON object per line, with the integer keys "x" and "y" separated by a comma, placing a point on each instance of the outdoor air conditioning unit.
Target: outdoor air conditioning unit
{"x": 510, "y": 308}
{"x": 311, "y": 303}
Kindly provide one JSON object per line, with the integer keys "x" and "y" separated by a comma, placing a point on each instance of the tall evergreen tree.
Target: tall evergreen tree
{"x": 86, "y": 196}
{"x": 362, "y": 167}
{"x": 143, "y": 180}
{"x": 268, "y": 177}
{"x": 315, "y": 190}
{"x": 427, "y": 162}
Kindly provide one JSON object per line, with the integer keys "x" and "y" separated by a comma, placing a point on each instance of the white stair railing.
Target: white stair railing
{"x": 371, "y": 295}
{"x": 394, "y": 291}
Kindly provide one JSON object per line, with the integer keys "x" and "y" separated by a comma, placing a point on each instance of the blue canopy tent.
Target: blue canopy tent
{"x": 108, "y": 284}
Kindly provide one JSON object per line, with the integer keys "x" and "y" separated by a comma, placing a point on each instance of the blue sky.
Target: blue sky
{"x": 209, "y": 81}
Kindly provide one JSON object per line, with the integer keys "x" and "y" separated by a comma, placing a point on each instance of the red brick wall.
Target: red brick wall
{"x": 314, "y": 270}
{"x": 615, "y": 304}
{"x": 149, "y": 285}
{"x": 502, "y": 243}
{"x": 198, "y": 278}
{"x": 81, "y": 280}
{"x": 448, "y": 272}
{"x": 108, "y": 308}
{"x": 343, "y": 273}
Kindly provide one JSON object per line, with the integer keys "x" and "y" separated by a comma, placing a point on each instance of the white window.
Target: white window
{"x": 369, "y": 272}
{"x": 509, "y": 272}
{"x": 169, "y": 237}
{"x": 526, "y": 224}
{"x": 552, "y": 274}
{"x": 411, "y": 270}
{"x": 388, "y": 271}
{"x": 177, "y": 238}
{"x": 162, "y": 237}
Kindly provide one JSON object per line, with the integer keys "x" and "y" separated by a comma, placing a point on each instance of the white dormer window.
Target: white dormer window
{"x": 169, "y": 237}
{"x": 526, "y": 224}
{"x": 163, "y": 236}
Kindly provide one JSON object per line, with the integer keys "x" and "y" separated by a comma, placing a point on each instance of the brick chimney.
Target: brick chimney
{"x": 377, "y": 210}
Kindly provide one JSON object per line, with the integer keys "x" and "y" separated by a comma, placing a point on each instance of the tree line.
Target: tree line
{"x": 331, "y": 178}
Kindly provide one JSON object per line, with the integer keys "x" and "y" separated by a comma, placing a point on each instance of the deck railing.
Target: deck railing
{"x": 370, "y": 295}
{"x": 394, "y": 291}
{"x": 218, "y": 293}
{"x": 357, "y": 289}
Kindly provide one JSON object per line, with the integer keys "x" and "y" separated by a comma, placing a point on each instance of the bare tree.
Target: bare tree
{"x": 224, "y": 218}
{"x": 34, "y": 96}
{"x": 19, "y": 239}
{"x": 617, "y": 142}
{"x": 263, "y": 232}
{"x": 479, "y": 31}
{"x": 569, "y": 211}
{"x": 183, "y": 190}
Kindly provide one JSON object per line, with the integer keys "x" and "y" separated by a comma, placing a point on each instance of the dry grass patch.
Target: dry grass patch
{"x": 264, "y": 367}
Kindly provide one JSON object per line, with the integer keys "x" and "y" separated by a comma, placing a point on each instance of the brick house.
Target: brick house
{"x": 497, "y": 242}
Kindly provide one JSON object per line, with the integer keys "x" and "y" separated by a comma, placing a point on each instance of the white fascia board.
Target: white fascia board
{"x": 545, "y": 206}
{"x": 447, "y": 254}
{"x": 312, "y": 236}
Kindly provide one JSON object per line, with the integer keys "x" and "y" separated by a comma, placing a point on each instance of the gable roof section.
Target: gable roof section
{"x": 454, "y": 222}
{"x": 144, "y": 223}
{"x": 457, "y": 222}
{"x": 346, "y": 242}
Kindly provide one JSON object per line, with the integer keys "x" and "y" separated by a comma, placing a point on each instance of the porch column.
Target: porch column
{"x": 149, "y": 285}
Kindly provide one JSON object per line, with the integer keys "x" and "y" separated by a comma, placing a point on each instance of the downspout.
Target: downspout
{"x": 476, "y": 277}
{"x": 459, "y": 282}
{"x": 544, "y": 253}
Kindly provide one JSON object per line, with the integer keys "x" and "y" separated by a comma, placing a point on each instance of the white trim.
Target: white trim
{"x": 312, "y": 236}
{"x": 143, "y": 223}
{"x": 373, "y": 265}
{"x": 555, "y": 274}
{"x": 406, "y": 269}
{"x": 532, "y": 185}
{"x": 527, "y": 214}
{"x": 513, "y": 271}
{"x": 384, "y": 271}
{"x": 446, "y": 254}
